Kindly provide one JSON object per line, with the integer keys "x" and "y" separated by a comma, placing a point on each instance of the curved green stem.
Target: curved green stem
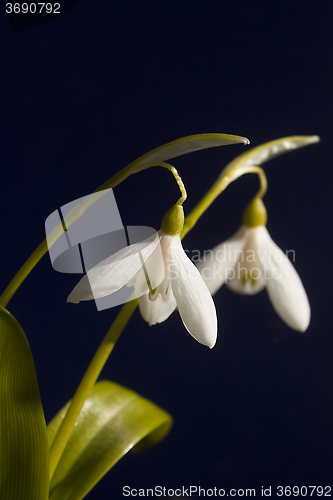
{"x": 229, "y": 174}
{"x": 73, "y": 215}
{"x": 104, "y": 350}
{"x": 178, "y": 179}
{"x": 23, "y": 273}
{"x": 257, "y": 155}
{"x": 218, "y": 187}
{"x": 88, "y": 382}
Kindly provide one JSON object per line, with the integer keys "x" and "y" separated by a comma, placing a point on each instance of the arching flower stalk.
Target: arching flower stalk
{"x": 287, "y": 294}
{"x": 163, "y": 277}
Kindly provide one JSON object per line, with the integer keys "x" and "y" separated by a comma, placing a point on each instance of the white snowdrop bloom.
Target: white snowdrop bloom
{"x": 164, "y": 279}
{"x": 184, "y": 288}
{"x": 250, "y": 261}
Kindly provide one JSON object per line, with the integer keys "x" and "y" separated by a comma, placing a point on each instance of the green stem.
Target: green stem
{"x": 88, "y": 382}
{"x": 229, "y": 174}
{"x": 103, "y": 352}
{"x": 257, "y": 155}
{"x": 74, "y": 214}
{"x": 218, "y": 187}
{"x": 178, "y": 180}
{"x": 71, "y": 217}
{"x": 23, "y": 273}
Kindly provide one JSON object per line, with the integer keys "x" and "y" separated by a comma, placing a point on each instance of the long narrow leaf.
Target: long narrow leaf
{"x": 267, "y": 151}
{"x": 186, "y": 145}
{"x": 163, "y": 153}
{"x": 173, "y": 149}
{"x": 113, "y": 421}
{"x": 24, "y": 471}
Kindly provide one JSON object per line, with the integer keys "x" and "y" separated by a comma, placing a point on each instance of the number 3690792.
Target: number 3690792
{"x": 33, "y": 8}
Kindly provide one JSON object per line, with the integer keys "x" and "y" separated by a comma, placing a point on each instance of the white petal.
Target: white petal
{"x": 194, "y": 302}
{"x": 158, "y": 310}
{"x": 163, "y": 285}
{"x": 217, "y": 264}
{"x": 285, "y": 290}
{"x": 248, "y": 277}
{"x": 151, "y": 275}
{"x": 114, "y": 272}
{"x": 154, "y": 268}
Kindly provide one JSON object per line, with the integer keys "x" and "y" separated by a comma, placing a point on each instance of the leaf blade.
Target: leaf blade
{"x": 113, "y": 421}
{"x": 173, "y": 149}
{"x": 267, "y": 151}
{"x": 23, "y": 451}
{"x": 186, "y": 145}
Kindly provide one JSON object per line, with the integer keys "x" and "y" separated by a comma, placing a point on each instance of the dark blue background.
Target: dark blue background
{"x": 85, "y": 94}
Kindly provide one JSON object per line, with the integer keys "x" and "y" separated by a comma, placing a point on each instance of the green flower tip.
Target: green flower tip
{"x": 255, "y": 214}
{"x": 173, "y": 221}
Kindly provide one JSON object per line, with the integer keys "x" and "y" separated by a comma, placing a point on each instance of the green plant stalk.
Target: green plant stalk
{"x": 88, "y": 382}
{"x": 190, "y": 221}
{"x": 178, "y": 179}
{"x": 23, "y": 273}
{"x": 218, "y": 187}
{"x": 241, "y": 165}
{"x": 56, "y": 233}
{"x": 72, "y": 216}
{"x": 228, "y": 175}
{"x": 257, "y": 155}
{"x": 157, "y": 156}
{"x": 113, "y": 333}
{"x": 116, "y": 328}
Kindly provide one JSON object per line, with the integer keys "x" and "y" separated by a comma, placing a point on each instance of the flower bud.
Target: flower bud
{"x": 255, "y": 214}
{"x": 173, "y": 221}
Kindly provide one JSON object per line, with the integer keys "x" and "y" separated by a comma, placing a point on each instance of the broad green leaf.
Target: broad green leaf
{"x": 24, "y": 470}
{"x": 113, "y": 421}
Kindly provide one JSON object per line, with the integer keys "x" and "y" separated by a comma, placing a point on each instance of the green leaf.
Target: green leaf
{"x": 113, "y": 421}
{"x": 267, "y": 151}
{"x": 185, "y": 145}
{"x": 173, "y": 149}
{"x": 24, "y": 470}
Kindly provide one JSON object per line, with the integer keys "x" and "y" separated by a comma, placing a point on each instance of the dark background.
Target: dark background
{"x": 84, "y": 95}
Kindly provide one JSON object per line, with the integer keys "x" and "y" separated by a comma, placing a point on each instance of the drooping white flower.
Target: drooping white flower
{"x": 250, "y": 261}
{"x": 184, "y": 288}
{"x": 163, "y": 277}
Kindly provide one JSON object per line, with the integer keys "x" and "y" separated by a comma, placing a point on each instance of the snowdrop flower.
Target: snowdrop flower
{"x": 167, "y": 279}
{"x": 250, "y": 261}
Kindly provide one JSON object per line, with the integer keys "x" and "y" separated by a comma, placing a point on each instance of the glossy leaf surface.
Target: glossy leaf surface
{"x": 267, "y": 151}
{"x": 113, "y": 421}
